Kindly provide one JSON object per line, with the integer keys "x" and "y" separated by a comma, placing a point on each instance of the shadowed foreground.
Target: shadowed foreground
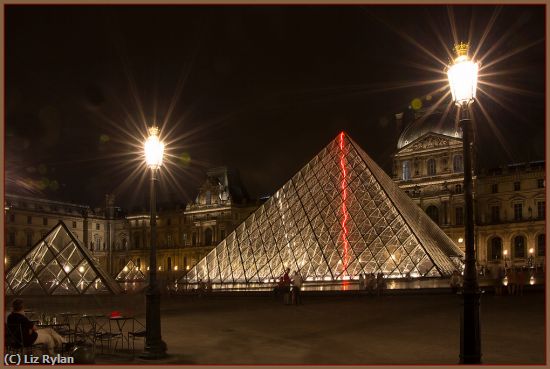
{"x": 337, "y": 329}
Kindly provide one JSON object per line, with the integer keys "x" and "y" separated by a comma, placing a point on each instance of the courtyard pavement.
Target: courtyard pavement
{"x": 339, "y": 329}
{"x": 329, "y": 328}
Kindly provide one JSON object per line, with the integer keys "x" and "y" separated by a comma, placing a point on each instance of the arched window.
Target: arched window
{"x": 208, "y": 197}
{"x": 433, "y": 212}
{"x": 495, "y": 249}
{"x": 519, "y": 247}
{"x": 406, "y": 170}
{"x": 431, "y": 167}
{"x": 208, "y": 237}
{"x": 457, "y": 164}
{"x": 541, "y": 244}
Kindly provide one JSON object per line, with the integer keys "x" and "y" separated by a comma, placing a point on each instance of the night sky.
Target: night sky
{"x": 258, "y": 88}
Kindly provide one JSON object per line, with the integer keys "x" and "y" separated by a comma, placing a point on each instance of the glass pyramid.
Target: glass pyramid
{"x": 58, "y": 265}
{"x": 130, "y": 273}
{"x": 339, "y": 216}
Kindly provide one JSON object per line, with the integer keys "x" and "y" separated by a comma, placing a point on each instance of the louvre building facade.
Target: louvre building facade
{"x": 339, "y": 216}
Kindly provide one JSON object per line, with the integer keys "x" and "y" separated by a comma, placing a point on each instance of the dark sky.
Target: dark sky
{"x": 258, "y": 88}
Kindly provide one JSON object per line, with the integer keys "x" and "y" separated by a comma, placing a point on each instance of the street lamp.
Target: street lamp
{"x": 505, "y": 259}
{"x": 155, "y": 348}
{"x": 462, "y": 74}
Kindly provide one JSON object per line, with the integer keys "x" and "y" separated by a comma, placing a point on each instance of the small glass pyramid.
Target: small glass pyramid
{"x": 130, "y": 273}
{"x": 58, "y": 265}
{"x": 339, "y": 216}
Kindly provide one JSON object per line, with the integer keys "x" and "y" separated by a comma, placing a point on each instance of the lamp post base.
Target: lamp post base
{"x": 154, "y": 351}
{"x": 470, "y": 332}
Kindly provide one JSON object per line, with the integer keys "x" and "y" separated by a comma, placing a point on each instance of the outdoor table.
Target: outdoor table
{"x": 87, "y": 327}
{"x": 120, "y": 324}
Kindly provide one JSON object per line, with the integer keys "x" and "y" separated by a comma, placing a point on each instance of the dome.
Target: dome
{"x": 433, "y": 122}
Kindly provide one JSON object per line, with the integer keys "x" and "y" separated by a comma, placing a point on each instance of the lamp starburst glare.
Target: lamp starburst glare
{"x": 154, "y": 149}
{"x": 462, "y": 74}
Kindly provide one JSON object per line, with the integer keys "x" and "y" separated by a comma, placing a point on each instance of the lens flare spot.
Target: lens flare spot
{"x": 416, "y": 104}
{"x": 104, "y": 138}
{"x": 42, "y": 169}
{"x": 184, "y": 159}
{"x": 54, "y": 185}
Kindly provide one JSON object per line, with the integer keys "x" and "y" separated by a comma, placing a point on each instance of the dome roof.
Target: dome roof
{"x": 432, "y": 122}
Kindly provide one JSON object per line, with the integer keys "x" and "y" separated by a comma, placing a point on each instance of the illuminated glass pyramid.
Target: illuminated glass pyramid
{"x": 59, "y": 265}
{"x": 130, "y": 273}
{"x": 339, "y": 216}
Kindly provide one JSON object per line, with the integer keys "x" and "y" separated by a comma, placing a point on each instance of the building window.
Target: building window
{"x": 208, "y": 237}
{"x": 45, "y": 221}
{"x": 12, "y": 218}
{"x": 433, "y": 213}
{"x": 541, "y": 244}
{"x": 74, "y": 224}
{"x": 541, "y": 209}
{"x": 496, "y": 248}
{"x": 222, "y": 234}
{"x": 406, "y": 170}
{"x": 517, "y": 186}
{"x": 138, "y": 263}
{"x": 169, "y": 221}
{"x": 137, "y": 243}
{"x": 29, "y": 219}
{"x": 29, "y": 239}
{"x": 185, "y": 263}
{"x": 97, "y": 226}
{"x": 494, "y": 188}
{"x": 458, "y": 188}
{"x": 518, "y": 211}
{"x": 540, "y": 183}
{"x": 459, "y": 215}
{"x": 169, "y": 238}
{"x": 11, "y": 238}
{"x": 495, "y": 214}
{"x": 208, "y": 198}
{"x": 169, "y": 262}
{"x": 519, "y": 247}
{"x": 184, "y": 238}
{"x": 194, "y": 239}
{"x": 431, "y": 167}
{"x": 457, "y": 164}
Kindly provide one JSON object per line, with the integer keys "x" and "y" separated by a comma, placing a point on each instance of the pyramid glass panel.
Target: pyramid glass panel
{"x": 59, "y": 265}
{"x": 338, "y": 216}
{"x": 130, "y": 273}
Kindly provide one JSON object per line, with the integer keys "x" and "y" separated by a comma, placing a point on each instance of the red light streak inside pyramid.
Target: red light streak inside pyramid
{"x": 344, "y": 206}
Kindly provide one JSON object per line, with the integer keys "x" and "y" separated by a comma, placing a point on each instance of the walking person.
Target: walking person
{"x": 498, "y": 280}
{"x": 361, "y": 282}
{"x": 297, "y": 282}
{"x": 455, "y": 282}
{"x": 30, "y": 334}
{"x": 520, "y": 281}
{"x": 380, "y": 284}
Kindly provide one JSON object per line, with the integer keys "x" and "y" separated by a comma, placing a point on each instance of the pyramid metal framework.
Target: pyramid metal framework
{"x": 339, "y": 216}
{"x": 130, "y": 273}
{"x": 59, "y": 265}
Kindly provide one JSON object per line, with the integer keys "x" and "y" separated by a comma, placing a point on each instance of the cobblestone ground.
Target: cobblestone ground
{"x": 334, "y": 329}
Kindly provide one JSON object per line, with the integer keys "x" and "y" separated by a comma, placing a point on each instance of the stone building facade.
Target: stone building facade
{"x": 185, "y": 233}
{"x": 509, "y": 202}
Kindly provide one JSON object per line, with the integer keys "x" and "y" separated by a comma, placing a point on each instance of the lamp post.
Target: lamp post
{"x": 155, "y": 348}
{"x": 462, "y": 74}
{"x": 505, "y": 259}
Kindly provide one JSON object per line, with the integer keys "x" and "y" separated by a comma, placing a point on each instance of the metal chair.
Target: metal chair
{"x": 136, "y": 332}
{"x": 15, "y": 342}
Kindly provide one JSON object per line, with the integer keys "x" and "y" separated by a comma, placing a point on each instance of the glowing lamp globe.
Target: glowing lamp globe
{"x": 462, "y": 75}
{"x": 154, "y": 149}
